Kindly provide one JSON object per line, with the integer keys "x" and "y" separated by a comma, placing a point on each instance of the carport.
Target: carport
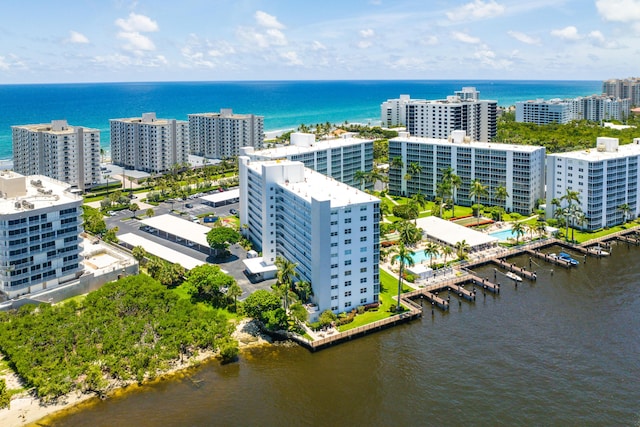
{"x": 179, "y": 230}
{"x": 131, "y": 240}
{"x": 222, "y": 198}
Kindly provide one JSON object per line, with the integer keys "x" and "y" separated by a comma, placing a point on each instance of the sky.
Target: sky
{"x": 66, "y": 41}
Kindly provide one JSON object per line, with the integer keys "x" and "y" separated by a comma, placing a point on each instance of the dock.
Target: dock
{"x": 521, "y": 271}
{"x": 485, "y": 284}
{"x": 462, "y": 292}
{"x": 546, "y": 257}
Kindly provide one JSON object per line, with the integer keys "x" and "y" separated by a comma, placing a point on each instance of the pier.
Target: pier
{"x": 547, "y": 257}
{"x": 521, "y": 271}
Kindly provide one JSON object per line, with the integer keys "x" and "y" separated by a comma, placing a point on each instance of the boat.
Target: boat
{"x": 597, "y": 250}
{"x": 513, "y": 276}
{"x": 566, "y": 257}
{"x": 553, "y": 256}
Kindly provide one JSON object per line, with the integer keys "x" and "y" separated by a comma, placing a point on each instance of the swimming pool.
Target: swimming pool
{"x": 503, "y": 234}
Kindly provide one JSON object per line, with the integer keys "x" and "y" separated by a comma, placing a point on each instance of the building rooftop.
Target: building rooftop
{"x": 225, "y": 113}
{"x": 59, "y": 127}
{"x": 472, "y": 144}
{"x": 147, "y": 118}
{"x": 292, "y": 149}
{"x": 316, "y": 185}
{"x": 596, "y": 154}
{"x": 21, "y": 193}
{"x": 451, "y": 233}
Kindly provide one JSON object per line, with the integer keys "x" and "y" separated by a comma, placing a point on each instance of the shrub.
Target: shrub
{"x": 229, "y": 351}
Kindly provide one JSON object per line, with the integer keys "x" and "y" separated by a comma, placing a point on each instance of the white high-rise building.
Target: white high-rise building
{"x": 338, "y": 158}
{"x": 605, "y": 178}
{"x": 67, "y": 153}
{"x": 544, "y": 112}
{"x": 393, "y": 112}
{"x": 41, "y": 222}
{"x": 517, "y": 168}
{"x": 462, "y": 111}
{"x": 623, "y": 88}
{"x": 220, "y": 135}
{"x": 149, "y": 144}
{"x": 331, "y": 230}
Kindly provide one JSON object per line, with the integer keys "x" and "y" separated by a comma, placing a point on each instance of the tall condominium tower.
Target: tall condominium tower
{"x": 594, "y": 108}
{"x": 220, "y": 135}
{"x": 623, "y": 88}
{"x": 67, "y": 153}
{"x": 517, "y": 168}
{"x": 338, "y": 158}
{"x": 149, "y": 144}
{"x": 329, "y": 229}
{"x": 41, "y": 222}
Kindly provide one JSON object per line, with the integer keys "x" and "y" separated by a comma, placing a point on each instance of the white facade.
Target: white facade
{"x": 518, "y": 168}
{"x": 331, "y": 230}
{"x": 393, "y": 112}
{"x": 220, "y": 135}
{"x": 462, "y": 111}
{"x": 623, "y": 88}
{"x": 40, "y": 225}
{"x": 149, "y": 144}
{"x": 67, "y": 153}
{"x": 605, "y": 178}
{"x": 544, "y": 112}
{"x": 338, "y": 158}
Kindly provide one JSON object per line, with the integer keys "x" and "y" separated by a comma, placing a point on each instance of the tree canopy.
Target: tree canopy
{"x": 207, "y": 282}
{"x": 219, "y": 238}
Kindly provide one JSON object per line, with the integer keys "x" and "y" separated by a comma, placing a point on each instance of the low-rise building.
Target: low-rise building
{"x": 329, "y": 229}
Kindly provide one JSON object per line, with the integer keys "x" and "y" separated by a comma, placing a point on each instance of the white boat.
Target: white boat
{"x": 513, "y": 276}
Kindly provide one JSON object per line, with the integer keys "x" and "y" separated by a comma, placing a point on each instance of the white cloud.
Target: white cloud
{"x": 291, "y": 57}
{"x": 475, "y": 10}
{"x": 119, "y": 61}
{"x": 77, "y": 38}
{"x": 598, "y": 39}
{"x": 619, "y": 10}
{"x": 364, "y": 44}
{"x": 567, "y": 33}
{"x": 3, "y": 64}
{"x": 488, "y": 57}
{"x": 368, "y": 33}
{"x": 137, "y": 24}
{"x": 464, "y": 37}
{"x": 137, "y": 42}
{"x": 524, "y": 38}
{"x": 429, "y": 41}
{"x": 316, "y": 45}
{"x": 268, "y": 21}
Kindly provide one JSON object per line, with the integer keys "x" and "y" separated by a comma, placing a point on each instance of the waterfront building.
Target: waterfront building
{"x": 462, "y": 111}
{"x": 40, "y": 225}
{"x": 543, "y": 112}
{"x": 67, "y": 153}
{"x": 594, "y": 108}
{"x": 220, "y": 135}
{"x": 517, "y": 168}
{"x": 329, "y": 229}
{"x": 605, "y": 178}
{"x": 623, "y": 88}
{"x": 393, "y": 112}
{"x": 149, "y": 144}
{"x": 338, "y": 158}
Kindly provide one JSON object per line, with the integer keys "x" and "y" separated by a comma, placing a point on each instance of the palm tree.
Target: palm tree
{"x": 234, "y": 291}
{"x": 409, "y": 233}
{"x": 447, "y": 251}
{"x": 285, "y": 275}
{"x": 420, "y": 200}
{"x": 518, "y": 229}
{"x": 462, "y": 248}
{"x": 431, "y": 250}
{"x": 501, "y": 195}
{"x": 453, "y": 183}
{"x": 150, "y": 213}
{"x": 361, "y": 177}
{"x": 443, "y": 189}
{"x": 133, "y": 207}
{"x": 625, "y": 209}
{"x": 304, "y": 290}
{"x": 398, "y": 164}
{"x": 414, "y": 170}
{"x": 477, "y": 191}
{"x": 405, "y": 257}
{"x": 541, "y": 228}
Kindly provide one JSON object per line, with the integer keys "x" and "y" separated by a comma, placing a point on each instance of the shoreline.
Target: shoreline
{"x": 28, "y": 410}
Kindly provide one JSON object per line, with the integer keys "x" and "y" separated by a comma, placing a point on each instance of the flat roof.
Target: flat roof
{"x": 222, "y": 196}
{"x": 452, "y": 233}
{"x": 179, "y": 227}
{"x": 472, "y": 144}
{"x": 291, "y": 149}
{"x": 41, "y": 192}
{"x": 317, "y": 185}
{"x": 257, "y": 266}
{"x": 593, "y": 155}
{"x": 161, "y": 251}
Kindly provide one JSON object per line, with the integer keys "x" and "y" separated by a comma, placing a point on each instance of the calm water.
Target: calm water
{"x": 284, "y": 104}
{"x": 562, "y": 351}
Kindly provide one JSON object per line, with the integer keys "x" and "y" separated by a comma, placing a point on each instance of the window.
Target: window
{"x": 347, "y": 273}
{"x": 363, "y": 290}
{"x": 363, "y": 238}
{"x": 347, "y": 241}
{"x": 363, "y": 249}
{"x": 347, "y": 283}
{"x": 363, "y": 259}
{"x": 334, "y": 308}
{"x": 334, "y": 265}
{"x": 347, "y": 294}
{"x": 347, "y": 231}
{"x": 334, "y": 244}
{"x": 363, "y": 280}
{"x": 363, "y": 270}
{"x": 363, "y": 208}
{"x": 334, "y": 276}
{"x": 334, "y": 233}
{"x": 363, "y": 300}
{"x": 334, "y": 297}
{"x": 363, "y": 218}
{"x": 347, "y": 304}
{"x": 334, "y": 222}
{"x": 347, "y": 220}
{"x": 347, "y": 210}
{"x": 347, "y": 252}
{"x": 334, "y": 286}
{"x": 363, "y": 228}
{"x": 347, "y": 262}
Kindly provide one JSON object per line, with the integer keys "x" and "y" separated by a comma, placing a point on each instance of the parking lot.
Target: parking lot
{"x": 127, "y": 224}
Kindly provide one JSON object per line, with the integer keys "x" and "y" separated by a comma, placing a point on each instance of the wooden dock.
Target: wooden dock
{"x": 485, "y": 284}
{"x": 462, "y": 292}
{"x": 553, "y": 260}
{"x": 521, "y": 271}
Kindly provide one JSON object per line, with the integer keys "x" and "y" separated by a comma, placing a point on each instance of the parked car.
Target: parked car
{"x": 188, "y": 205}
{"x": 233, "y": 211}
{"x": 111, "y": 213}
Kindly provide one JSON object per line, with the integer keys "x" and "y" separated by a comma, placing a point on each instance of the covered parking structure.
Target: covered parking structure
{"x": 179, "y": 230}
{"x": 222, "y": 198}
{"x": 131, "y": 240}
{"x": 448, "y": 233}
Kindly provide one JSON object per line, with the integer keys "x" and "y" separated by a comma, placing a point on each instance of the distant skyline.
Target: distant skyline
{"x": 219, "y": 40}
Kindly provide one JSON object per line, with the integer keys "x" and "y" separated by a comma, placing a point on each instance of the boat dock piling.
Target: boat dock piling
{"x": 462, "y": 292}
{"x": 531, "y": 275}
{"x": 547, "y": 257}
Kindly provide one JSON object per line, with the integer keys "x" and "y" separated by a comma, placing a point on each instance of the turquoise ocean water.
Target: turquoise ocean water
{"x": 284, "y": 104}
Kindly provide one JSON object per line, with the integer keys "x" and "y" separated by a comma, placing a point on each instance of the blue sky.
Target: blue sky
{"x": 159, "y": 40}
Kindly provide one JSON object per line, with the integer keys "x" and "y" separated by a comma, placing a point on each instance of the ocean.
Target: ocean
{"x": 284, "y": 104}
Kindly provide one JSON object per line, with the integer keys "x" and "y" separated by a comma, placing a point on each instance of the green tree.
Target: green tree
{"x": 234, "y": 291}
{"x": 541, "y": 228}
{"x": 409, "y": 233}
{"x": 206, "y": 283}
{"x": 259, "y": 303}
{"x": 304, "y": 290}
{"x": 150, "y": 212}
{"x": 139, "y": 253}
{"x": 625, "y": 209}
{"x": 501, "y": 195}
{"x": 447, "y": 251}
{"x": 462, "y": 249}
{"x": 518, "y": 229}
{"x": 5, "y": 397}
{"x": 453, "y": 183}
{"x": 133, "y": 207}
{"x": 219, "y": 238}
{"x": 360, "y": 177}
{"x": 110, "y": 236}
{"x": 93, "y": 220}
{"x": 285, "y": 276}
{"x": 477, "y": 191}
{"x": 431, "y": 250}
{"x": 298, "y": 312}
{"x": 404, "y": 257}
